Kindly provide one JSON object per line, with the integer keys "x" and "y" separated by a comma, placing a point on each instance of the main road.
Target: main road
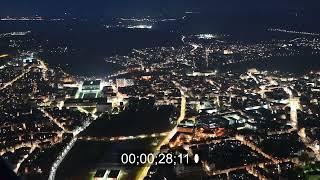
{"x": 66, "y": 150}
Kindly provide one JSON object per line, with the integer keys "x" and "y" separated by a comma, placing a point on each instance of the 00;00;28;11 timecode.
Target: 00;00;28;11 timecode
{"x": 157, "y": 159}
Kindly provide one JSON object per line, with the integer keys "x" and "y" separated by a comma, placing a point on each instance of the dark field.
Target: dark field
{"x": 130, "y": 123}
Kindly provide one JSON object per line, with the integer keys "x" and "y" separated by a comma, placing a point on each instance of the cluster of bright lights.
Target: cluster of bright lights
{"x": 206, "y": 36}
{"x": 140, "y": 27}
{"x": 130, "y": 26}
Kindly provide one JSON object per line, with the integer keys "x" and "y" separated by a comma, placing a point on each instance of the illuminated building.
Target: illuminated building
{"x": 227, "y": 52}
{"x": 186, "y": 126}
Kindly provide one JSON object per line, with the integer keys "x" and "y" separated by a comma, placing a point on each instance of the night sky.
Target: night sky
{"x": 107, "y": 8}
